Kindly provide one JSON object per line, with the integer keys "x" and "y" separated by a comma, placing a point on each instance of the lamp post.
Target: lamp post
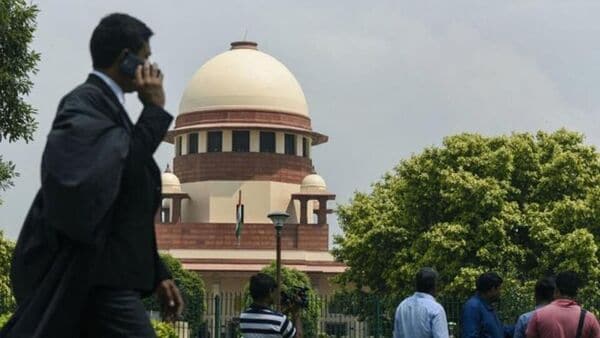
{"x": 278, "y": 218}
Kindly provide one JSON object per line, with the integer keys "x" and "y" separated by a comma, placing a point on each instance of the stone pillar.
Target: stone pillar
{"x": 202, "y": 141}
{"x": 227, "y": 140}
{"x": 254, "y": 141}
{"x": 303, "y": 210}
{"x": 176, "y": 210}
{"x": 279, "y": 143}
{"x": 322, "y": 212}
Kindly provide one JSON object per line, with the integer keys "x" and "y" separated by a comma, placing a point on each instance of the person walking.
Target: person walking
{"x": 420, "y": 315}
{"x": 544, "y": 294}
{"x": 479, "y": 318}
{"x": 260, "y": 320}
{"x": 87, "y": 251}
{"x": 564, "y": 318}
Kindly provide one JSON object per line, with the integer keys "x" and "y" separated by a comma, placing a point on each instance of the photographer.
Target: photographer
{"x": 259, "y": 320}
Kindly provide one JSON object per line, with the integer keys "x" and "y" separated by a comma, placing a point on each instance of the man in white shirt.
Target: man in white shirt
{"x": 420, "y": 316}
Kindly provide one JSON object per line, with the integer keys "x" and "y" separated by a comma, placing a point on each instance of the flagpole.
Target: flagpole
{"x": 239, "y": 217}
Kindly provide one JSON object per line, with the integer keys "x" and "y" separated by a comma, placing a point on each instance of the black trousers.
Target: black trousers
{"x": 115, "y": 313}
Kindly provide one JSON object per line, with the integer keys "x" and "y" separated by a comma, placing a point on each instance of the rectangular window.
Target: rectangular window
{"x": 290, "y": 144}
{"x": 267, "y": 142}
{"x": 305, "y": 147}
{"x": 241, "y": 141}
{"x": 214, "y": 142}
{"x": 178, "y": 141}
{"x": 193, "y": 143}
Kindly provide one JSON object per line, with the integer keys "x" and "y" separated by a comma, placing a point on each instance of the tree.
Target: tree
{"x": 291, "y": 278}
{"x": 7, "y": 301}
{"x": 17, "y": 63}
{"x": 523, "y": 205}
{"x": 192, "y": 291}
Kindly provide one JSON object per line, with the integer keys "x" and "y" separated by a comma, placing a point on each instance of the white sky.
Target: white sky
{"x": 383, "y": 79}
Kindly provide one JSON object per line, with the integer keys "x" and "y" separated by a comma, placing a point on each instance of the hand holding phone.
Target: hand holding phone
{"x": 149, "y": 84}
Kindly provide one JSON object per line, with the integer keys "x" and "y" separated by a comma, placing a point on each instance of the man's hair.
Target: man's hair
{"x": 488, "y": 281}
{"x": 114, "y": 33}
{"x": 261, "y": 285}
{"x": 567, "y": 283}
{"x": 544, "y": 289}
{"x": 425, "y": 280}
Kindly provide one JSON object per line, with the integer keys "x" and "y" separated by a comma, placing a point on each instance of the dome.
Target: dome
{"x": 243, "y": 78}
{"x": 170, "y": 182}
{"x": 313, "y": 182}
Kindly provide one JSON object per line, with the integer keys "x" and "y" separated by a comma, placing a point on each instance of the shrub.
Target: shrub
{"x": 164, "y": 330}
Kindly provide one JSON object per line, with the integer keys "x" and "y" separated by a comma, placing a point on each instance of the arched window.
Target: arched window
{"x": 214, "y": 142}
{"x": 178, "y": 142}
{"x": 267, "y": 142}
{"x": 305, "y": 147}
{"x": 240, "y": 141}
{"x": 290, "y": 144}
{"x": 192, "y": 143}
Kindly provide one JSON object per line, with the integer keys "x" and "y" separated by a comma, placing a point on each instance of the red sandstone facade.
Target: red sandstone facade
{"x": 310, "y": 237}
{"x": 232, "y": 166}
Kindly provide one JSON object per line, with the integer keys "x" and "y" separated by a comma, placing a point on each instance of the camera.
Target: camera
{"x": 295, "y": 296}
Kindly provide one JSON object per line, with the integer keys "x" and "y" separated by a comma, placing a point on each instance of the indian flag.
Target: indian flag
{"x": 239, "y": 216}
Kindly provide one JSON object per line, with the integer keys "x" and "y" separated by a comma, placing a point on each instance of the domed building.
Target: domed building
{"x": 243, "y": 136}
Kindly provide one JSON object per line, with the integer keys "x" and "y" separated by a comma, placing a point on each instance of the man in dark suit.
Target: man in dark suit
{"x": 87, "y": 250}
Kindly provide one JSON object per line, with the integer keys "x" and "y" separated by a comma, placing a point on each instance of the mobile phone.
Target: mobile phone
{"x": 129, "y": 64}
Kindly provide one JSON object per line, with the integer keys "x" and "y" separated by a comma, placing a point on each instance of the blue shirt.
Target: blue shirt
{"x": 420, "y": 316}
{"x": 479, "y": 320}
{"x": 522, "y": 322}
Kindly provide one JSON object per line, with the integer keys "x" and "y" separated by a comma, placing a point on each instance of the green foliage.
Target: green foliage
{"x": 7, "y": 301}
{"x": 192, "y": 290}
{"x": 293, "y": 278}
{"x": 523, "y": 205}
{"x": 18, "y": 61}
{"x": 7, "y": 174}
{"x": 17, "y": 19}
{"x": 4, "y": 319}
{"x": 164, "y": 330}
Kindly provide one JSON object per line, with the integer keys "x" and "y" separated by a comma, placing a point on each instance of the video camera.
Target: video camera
{"x": 296, "y": 296}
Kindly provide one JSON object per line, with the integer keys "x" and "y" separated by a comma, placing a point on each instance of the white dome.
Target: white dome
{"x": 170, "y": 183}
{"x": 243, "y": 78}
{"x": 313, "y": 182}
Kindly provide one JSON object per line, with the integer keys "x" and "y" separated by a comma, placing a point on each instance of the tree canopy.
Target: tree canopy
{"x": 523, "y": 205}
{"x": 7, "y": 301}
{"x": 17, "y": 63}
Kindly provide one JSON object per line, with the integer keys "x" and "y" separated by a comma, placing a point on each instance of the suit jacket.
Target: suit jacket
{"x": 129, "y": 259}
{"x": 92, "y": 222}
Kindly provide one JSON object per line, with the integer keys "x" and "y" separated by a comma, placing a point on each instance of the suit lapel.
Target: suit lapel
{"x": 126, "y": 122}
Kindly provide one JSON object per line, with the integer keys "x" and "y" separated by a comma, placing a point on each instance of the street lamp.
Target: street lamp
{"x": 278, "y": 218}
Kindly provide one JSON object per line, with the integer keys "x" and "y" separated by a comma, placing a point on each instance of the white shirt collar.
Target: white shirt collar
{"x": 112, "y": 85}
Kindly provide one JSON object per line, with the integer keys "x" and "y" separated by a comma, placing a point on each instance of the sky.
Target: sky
{"x": 384, "y": 79}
